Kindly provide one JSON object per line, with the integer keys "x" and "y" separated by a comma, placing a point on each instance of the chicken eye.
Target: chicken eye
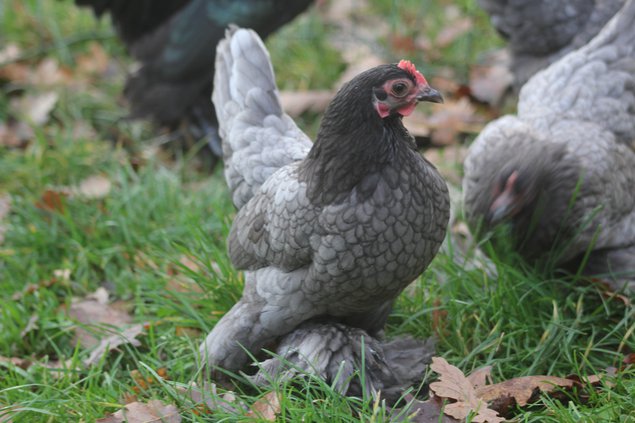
{"x": 399, "y": 89}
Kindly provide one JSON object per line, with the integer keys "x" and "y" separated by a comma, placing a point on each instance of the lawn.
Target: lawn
{"x": 93, "y": 204}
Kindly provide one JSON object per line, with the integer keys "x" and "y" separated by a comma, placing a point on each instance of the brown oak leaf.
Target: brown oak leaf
{"x": 138, "y": 412}
{"x": 453, "y": 385}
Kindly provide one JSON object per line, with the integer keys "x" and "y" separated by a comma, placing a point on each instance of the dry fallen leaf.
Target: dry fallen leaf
{"x": 52, "y": 200}
{"x": 15, "y": 72}
{"x": 190, "y": 263}
{"x": 138, "y": 412}
{"x": 95, "y": 310}
{"x": 127, "y": 336}
{"x": 56, "y": 368}
{"x": 520, "y": 391}
{"x": 10, "y": 68}
{"x": 294, "y": 103}
{"x": 95, "y": 61}
{"x": 30, "y": 326}
{"x": 28, "y": 289}
{"x": 337, "y": 11}
{"x": 454, "y": 385}
{"x": 480, "y": 377}
{"x": 451, "y": 119}
{"x": 23, "y": 363}
{"x": 15, "y": 134}
{"x": 180, "y": 281}
{"x": 417, "y": 124}
{"x": 32, "y": 288}
{"x": 62, "y": 276}
{"x": 452, "y": 31}
{"x": 491, "y": 79}
{"x": 266, "y": 408}
{"x": 404, "y": 45}
{"x": 608, "y": 290}
{"x": 94, "y": 187}
{"x": 36, "y": 108}
{"x": 49, "y": 73}
{"x": 359, "y": 59}
{"x": 446, "y": 81}
{"x": 9, "y": 53}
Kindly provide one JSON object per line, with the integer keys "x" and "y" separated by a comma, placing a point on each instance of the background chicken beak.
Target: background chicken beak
{"x": 497, "y": 215}
{"x": 501, "y": 208}
{"x": 427, "y": 93}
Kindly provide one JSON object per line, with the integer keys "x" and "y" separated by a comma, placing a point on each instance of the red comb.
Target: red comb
{"x": 412, "y": 70}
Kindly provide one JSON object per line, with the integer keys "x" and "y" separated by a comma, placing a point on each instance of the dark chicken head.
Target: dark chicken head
{"x": 362, "y": 129}
{"x": 404, "y": 87}
{"x": 511, "y": 193}
{"x": 516, "y": 188}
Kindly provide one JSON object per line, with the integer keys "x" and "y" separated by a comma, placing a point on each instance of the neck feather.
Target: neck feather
{"x": 348, "y": 147}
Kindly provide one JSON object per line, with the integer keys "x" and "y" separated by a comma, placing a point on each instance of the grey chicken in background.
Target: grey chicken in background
{"x": 540, "y": 32}
{"x": 335, "y": 229}
{"x": 335, "y": 352}
{"x": 562, "y": 172}
{"x": 174, "y": 41}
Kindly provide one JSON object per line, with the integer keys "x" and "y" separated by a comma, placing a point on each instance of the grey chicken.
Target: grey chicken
{"x": 562, "y": 172}
{"x": 335, "y": 352}
{"x": 337, "y": 228}
{"x": 542, "y": 31}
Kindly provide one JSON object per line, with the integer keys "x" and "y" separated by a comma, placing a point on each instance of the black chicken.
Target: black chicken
{"x": 542, "y": 31}
{"x": 175, "y": 41}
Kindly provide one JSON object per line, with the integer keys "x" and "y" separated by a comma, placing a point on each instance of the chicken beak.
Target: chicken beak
{"x": 506, "y": 203}
{"x": 427, "y": 93}
{"x": 501, "y": 208}
{"x": 497, "y": 214}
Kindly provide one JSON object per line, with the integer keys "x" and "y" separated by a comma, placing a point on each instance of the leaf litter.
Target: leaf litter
{"x": 139, "y": 412}
{"x": 94, "y": 187}
{"x": 103, "y": 326}
{"x": 477, "y": 397}
{"x": 266, "y": 408}
{"x": 453, "y": 385}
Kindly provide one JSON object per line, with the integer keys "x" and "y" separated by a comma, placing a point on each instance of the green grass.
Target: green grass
{"x": 132, "y": 242}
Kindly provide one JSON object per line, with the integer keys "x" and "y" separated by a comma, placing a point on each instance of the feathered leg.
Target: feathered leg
{"x": 266, "y": 311}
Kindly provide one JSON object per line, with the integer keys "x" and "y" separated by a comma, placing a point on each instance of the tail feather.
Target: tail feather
{"x": 242, "y": 64}
{"x": 258, "y": 138}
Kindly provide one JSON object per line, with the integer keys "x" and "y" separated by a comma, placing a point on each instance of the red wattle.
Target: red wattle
{"x": 408, "y": 109}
